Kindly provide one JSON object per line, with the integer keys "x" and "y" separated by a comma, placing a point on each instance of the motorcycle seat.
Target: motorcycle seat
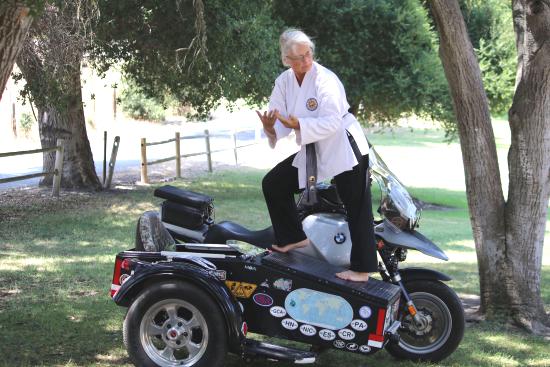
{"x": 227, "y": 230}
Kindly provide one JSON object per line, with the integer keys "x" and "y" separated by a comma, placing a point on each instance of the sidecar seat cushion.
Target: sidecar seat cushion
{"x": 151, "y": 235}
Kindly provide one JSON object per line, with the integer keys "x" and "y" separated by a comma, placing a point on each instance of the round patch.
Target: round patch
{"x": 359, "y": 325}
{"x": 312, "y": 104}
{"x": 277, "y": 311}
{"x": 346, "y": 334}
{"x": 365, "y": 312}
{"x": 289, "y": 324}
{"x": 326, "y": 334}
{"x": 262, "y": 299}
{"x": 308, "y": 330}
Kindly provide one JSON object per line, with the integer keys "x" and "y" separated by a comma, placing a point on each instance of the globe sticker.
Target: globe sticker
{"x": 365, "y": 312}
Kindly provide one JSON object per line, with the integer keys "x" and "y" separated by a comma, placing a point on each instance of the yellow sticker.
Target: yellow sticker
{"x": 240, "y": 289}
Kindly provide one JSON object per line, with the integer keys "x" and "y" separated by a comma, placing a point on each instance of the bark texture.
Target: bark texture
{"x": 50, "y": 63}
{"x": 15, "y": 22}
{"x": 508, "y": 234}
{"x": 529, "y": 165}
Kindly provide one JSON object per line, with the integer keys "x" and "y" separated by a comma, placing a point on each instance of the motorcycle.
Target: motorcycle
{"x": 422, "y": 318}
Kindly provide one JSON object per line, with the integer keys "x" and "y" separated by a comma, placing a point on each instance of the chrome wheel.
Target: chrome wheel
{"x": 432, "y": 330}
{"x": 174, "y": 333}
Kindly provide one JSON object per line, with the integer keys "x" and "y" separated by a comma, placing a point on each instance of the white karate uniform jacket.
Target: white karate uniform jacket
{"x": 321, "y": 106}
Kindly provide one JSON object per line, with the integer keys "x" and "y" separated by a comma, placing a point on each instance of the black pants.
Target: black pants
{"x": 281, "y": 183}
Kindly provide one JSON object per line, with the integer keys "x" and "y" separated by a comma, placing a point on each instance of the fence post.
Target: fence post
{"x": 112, "y": 162}
{"x": 178, "y": 157}
{"x": 208, "y": 154}
{"x": 235, "y": 146}
{"x": 58, "y": 167}
{"x": 144, "y": 178}
{"x": 13, "y": 120}
{"x": 104, "y": 155}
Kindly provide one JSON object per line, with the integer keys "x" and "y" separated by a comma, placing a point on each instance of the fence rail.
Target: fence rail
{"x": 177, "y": 157}
{"x": 58, "y": 167}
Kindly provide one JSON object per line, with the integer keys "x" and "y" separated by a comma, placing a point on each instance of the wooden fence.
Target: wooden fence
{"x": 177, "y": 157}
{"x": 58, "y": 168}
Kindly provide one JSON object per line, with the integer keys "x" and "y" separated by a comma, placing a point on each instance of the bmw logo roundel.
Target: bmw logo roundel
{"x": 340, "y": 238}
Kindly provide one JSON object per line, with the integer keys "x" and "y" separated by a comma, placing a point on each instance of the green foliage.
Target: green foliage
{"x": 160, "y": 50}
{"x": 25, "y": 122}
{"x": 383, "y": 51}
{"x": 139, "y": 106}
{"x": 492, "y": 34}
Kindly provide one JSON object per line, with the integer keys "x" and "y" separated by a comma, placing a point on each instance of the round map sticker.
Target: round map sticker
{"x": 365, "y": 312}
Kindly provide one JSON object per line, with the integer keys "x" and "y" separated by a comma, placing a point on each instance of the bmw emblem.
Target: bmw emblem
{"x": 340, "y": 238}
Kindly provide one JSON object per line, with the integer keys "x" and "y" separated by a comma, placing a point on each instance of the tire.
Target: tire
{"x": 444, "y": 327}
{"x": 175, "y": 324}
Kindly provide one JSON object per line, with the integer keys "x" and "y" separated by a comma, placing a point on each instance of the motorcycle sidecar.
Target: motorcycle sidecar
{"x": 192, "y": 305}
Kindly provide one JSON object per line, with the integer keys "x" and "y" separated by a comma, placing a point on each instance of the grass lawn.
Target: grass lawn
{"x": 56, "y": 261}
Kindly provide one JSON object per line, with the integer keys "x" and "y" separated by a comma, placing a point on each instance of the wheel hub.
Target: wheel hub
{"x": 421, "y": 327}
{"x": 176, "y": 336}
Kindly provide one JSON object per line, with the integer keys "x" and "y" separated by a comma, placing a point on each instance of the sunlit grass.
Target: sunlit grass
{"x": 55, "y": 273}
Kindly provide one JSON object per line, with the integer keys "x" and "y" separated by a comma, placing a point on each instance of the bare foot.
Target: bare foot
{"x": 291, "y": 246}
{"x": 353, "y": 276}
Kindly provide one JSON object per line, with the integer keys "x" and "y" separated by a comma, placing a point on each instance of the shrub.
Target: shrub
{"x": 136, "y": 104}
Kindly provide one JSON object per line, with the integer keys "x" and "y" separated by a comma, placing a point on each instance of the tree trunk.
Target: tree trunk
{"x": 507, "y": 258}
{"x": 529, "y": 165}
{"x": 65, "y": 122}
{"x": 15, "y": 22}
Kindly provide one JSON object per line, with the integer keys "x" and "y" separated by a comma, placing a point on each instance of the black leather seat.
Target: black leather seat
{"x": 226, "y": 230}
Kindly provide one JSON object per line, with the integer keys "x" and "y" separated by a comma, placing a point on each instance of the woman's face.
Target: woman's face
{"x": 300, "y": 59}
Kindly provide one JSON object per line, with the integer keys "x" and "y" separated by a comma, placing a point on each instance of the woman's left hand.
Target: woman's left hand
{"x": 291, "y": 122}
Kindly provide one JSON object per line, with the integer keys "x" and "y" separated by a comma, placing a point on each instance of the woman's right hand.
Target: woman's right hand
{"x": 268, "y": 119}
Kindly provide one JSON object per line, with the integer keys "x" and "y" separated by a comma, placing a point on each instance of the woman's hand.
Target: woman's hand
{"x": 268, "y": 119}
{"x": 291, "y": 122}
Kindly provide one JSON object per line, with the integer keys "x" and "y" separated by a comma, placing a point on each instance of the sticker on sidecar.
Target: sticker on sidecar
{"x": 320, "y": 309}
{"x": 283, "y": 284}
{"x": 277, "y": 311}
{"x": 289, "y": 324}
{"x": 326, "y": 334}
{"x": 308, "y": 330}
{"x": 241, "y": 289}
{"x": 346, "y": 334}
{"x": 359, "y": 325}
{"x": 262, "y": 299}
{"x": 365, "y": 312}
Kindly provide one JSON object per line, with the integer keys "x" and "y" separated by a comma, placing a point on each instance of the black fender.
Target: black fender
{"x": 413, "y": 273}
{"x": 147, "y": 275}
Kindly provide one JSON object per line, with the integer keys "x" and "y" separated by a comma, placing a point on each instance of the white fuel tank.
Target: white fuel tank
{"x": 329, "y": 234}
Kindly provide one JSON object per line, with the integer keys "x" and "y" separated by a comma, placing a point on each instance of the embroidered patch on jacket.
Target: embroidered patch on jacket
{"x": 312, "y": 104}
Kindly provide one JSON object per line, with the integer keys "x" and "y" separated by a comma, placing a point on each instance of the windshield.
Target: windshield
{"x": 396, "y": 204}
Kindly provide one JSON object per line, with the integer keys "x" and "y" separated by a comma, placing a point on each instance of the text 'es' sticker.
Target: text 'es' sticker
{"x": 240, "y": 289}
{"x": 277, "y": 311}
{"x": 326, "y": 334}
{"x": 262, "y": 299}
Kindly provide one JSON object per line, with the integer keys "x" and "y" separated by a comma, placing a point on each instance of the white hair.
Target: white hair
{"x": 292, "y": 37}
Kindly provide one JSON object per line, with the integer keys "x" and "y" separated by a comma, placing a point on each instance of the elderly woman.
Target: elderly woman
{"x": 310, "y": 100}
